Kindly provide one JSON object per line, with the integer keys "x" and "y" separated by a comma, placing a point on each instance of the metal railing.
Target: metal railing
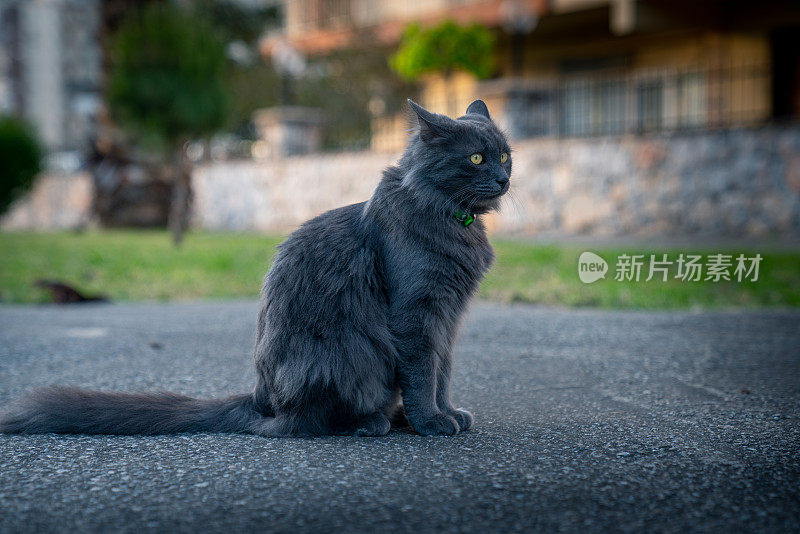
{"x": 652, "y": 100}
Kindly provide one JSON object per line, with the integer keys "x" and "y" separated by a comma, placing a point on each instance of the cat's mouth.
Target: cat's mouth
{"x": 487, "y": 201}
{"x": 494, "y": 195}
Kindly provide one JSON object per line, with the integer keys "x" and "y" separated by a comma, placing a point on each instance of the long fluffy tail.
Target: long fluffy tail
{"x": 66, "y": 410}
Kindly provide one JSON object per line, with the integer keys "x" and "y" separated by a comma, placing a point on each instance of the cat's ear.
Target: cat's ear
{"x": 478, "y": 107}
{"x": 431, "y": 125}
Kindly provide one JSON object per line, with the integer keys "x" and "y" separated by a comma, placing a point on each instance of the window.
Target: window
{"x": 531, "y": 112}
{"x": 651, "y": 103}
{"x": 576, "y": 108}
{"x": 691, "y": 99}
{"x": 612, "y": 107}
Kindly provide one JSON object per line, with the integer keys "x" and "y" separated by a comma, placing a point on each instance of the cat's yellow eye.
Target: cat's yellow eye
{"x": 503, "y": 157}
{"x": 477, "y": 159}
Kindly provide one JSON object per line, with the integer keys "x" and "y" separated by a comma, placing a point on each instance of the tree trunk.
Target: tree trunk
{"x": 179, "y": 205}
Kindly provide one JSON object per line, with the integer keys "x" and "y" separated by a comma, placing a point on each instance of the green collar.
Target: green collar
{"x": 464, "y": 218}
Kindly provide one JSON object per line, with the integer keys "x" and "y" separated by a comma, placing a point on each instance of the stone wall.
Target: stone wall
{"x": 727, "y": 183}
{"x": 733, "y": 183}
{"x": 56, "y": 202}
{"x": 278, "y": 194}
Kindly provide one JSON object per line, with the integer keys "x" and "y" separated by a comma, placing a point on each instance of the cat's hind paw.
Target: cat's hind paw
{"x": 376, "y": 424}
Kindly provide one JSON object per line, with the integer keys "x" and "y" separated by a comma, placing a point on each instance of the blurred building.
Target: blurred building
{"x": 50, "y": 71}
{"x": 592, "y": 67}
{"x": 630, "y": 118}
{"x": 642, "y": 118}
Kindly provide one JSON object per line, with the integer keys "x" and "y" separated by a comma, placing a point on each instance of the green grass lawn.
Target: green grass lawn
{"x": 139, "y": 265}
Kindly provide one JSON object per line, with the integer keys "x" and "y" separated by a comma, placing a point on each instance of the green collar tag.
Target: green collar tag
{"x": 464, "y": 218}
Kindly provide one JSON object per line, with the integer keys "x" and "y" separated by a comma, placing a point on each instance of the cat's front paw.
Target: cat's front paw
{"x": 462, "y": 417}
{"x": 438, "y": 425}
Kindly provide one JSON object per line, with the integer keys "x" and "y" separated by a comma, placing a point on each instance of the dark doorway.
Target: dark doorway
{"x": 786, "y": 73}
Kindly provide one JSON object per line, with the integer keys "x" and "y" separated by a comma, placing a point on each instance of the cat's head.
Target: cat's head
{"x": 460, "y": 164}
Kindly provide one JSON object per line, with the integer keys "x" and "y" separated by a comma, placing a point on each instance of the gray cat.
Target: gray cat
{"x": 358, "y": 313}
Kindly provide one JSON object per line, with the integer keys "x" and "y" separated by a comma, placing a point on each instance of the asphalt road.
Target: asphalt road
{"x": 585, "y": 420}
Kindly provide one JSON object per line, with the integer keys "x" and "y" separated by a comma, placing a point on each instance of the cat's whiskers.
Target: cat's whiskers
{"x": 514, "y": 201}
{"x": 461, "y": 195}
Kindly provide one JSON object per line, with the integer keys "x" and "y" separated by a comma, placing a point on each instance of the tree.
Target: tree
{"x": 168, "y": 85}
{"x": 355, "y": 84}
{"x": 254, "y": 82}
{"x": 444, "y": 48}
{"x": 20, "y": 154}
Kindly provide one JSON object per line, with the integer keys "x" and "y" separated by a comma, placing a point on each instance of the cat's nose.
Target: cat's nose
{"x": 502, "y": 181}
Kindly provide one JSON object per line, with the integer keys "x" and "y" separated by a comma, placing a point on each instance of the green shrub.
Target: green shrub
{"x": 444, "y": 48}
{"x": 19, "y": 160}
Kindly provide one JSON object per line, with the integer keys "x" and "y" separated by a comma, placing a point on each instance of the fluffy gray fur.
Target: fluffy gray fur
{"x": 358, "y": 314}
